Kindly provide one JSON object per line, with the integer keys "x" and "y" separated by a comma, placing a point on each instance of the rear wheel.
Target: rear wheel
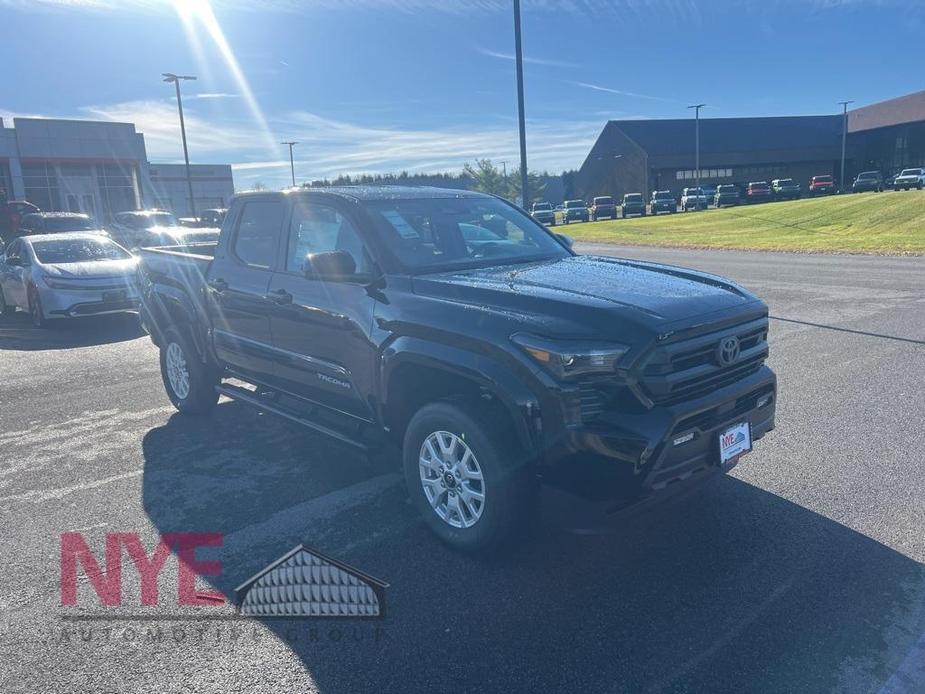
{"x": 189, "y": 383}
{"x": 470, "y": 484}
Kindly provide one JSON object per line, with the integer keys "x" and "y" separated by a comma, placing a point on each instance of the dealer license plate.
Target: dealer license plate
{"x": 734, "y": 443}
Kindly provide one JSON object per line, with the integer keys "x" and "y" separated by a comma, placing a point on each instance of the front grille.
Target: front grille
{"x": 687, "y": 368}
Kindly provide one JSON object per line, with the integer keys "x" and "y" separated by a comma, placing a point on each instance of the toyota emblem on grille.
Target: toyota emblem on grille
{"x": 727, "y": 351}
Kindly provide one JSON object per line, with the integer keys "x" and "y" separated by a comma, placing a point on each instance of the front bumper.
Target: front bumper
{"x": 622, "y": 456}
{"x": 64, "y": 303}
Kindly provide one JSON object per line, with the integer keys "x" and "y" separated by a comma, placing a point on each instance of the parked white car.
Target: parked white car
{"x": 910, "y": 178}
{"x": 693, "y": 199}
{"x": 66, "y": 275}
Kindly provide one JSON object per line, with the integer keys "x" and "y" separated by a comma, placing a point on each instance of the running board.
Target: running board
{"x": 250, "y": 398}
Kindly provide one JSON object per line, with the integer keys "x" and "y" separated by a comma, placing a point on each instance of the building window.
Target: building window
{"x": 6, "y": 183}
{"x": 41, "y": 183}
{"x": 117, "y": 186}
{"x": 691, "y": 174}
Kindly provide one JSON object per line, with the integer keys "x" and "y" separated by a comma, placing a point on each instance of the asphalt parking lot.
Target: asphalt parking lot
{"x": 800, "y": 571}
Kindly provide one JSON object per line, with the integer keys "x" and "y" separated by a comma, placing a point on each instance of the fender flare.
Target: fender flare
{"x": 167, "y": 306}
{"x": 488, "y": 374}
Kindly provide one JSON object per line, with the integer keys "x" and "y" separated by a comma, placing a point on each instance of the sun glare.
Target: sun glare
{"x": 199, "y": 13}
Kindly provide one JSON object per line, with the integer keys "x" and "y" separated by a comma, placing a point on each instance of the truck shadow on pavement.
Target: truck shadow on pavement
{"x": 731, "y": 589}
{"x": 18, "y": 333}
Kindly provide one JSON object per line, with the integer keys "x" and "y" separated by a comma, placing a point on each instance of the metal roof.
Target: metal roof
{"x": 898, "y": 111}
{"x": 673, "y": 136}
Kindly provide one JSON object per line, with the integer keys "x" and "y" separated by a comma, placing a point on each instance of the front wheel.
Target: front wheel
{"x": 189, "y": 383}
{"x": 36, "y": 311}
{"x": 470, "y": 484}
{"x": 5, "y": 308}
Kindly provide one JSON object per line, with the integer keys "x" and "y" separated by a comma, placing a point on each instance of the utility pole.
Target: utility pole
{"x": 844, "y": 139}
{"x": 170, "y": 77}
{"x": 519, "y": 56}
{"x": 697, "y": 108}
{"x": 291, "y": 161}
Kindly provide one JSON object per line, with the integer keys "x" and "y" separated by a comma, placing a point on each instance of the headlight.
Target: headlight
{"x": 56, "y": 283}
{"x": 570, "y": 358}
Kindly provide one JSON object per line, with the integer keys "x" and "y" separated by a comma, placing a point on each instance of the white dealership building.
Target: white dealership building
{"x": 99, "y": 168}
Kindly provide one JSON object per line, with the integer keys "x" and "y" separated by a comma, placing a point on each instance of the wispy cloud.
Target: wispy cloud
{"x": 620, "y": 92}
{"x": 527, "y": 59}
{"x": 328, "y": 146}
{"x": 215, "y": 95}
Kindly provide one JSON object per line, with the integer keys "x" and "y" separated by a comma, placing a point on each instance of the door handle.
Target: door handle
{"x": 218, "y": 285}
{"x": 279, "y": 296}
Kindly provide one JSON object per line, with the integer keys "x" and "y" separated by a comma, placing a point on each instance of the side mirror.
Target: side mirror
{"x": 567, "y": 241}
{"x": 13, "y": 262}
{"x": 329, "y": 265}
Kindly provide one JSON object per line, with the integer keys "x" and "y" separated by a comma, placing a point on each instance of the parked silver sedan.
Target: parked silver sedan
{"x": 67, "y": 275}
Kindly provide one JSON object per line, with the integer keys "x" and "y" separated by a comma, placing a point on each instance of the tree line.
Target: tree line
{"x": 482, "y": 175}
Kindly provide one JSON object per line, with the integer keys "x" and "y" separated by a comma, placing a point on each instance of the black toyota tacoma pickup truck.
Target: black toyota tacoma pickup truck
{"x": 455, "y": 325}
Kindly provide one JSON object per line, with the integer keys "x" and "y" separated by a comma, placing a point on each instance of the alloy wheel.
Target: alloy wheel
{"x": 177, "y": 371}
{"x": 452, "y": 479}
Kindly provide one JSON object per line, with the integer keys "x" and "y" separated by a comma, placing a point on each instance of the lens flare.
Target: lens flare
{"x": 199, "y": 12}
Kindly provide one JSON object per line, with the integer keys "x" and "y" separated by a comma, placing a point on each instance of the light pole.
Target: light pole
{"x": 170, "y": 77}
{"x": 291, "y": 162}
{"x": 844, "y": 138}
{"x": 519, "y": 56}
{"x": 697, "y": 108}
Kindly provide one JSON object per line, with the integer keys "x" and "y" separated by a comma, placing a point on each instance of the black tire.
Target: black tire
{"x": 507, "y": 484}
{"x": 201, "y": 396}
{"x": 35, "y": 310}
{"x": 5, "y": 308}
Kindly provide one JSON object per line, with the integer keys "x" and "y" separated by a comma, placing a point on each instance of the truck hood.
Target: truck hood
{"x": 572, "y": 287}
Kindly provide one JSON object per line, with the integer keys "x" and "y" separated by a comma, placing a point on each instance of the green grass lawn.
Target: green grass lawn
{"x": 889, "y": 223}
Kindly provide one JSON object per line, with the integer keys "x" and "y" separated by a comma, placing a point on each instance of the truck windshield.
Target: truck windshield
{"x": 571, "y": 204}
{"x": 632, "y": 197}
{"x": 542, "y": 207}
{"x": 603, "y": 201}
{"x": 435, "y": 234}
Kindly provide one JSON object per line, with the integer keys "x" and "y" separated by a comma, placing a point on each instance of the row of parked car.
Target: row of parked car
{"x": 64, "y": 264}
{"x": 726, "y": 195}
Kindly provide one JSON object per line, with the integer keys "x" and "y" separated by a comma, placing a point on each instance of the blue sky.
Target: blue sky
{"x": 426, "y": 85}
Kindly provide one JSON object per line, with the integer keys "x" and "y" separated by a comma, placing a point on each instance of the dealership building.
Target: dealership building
{"x": 640, "y": 156}
{"x": 99, "y": 168}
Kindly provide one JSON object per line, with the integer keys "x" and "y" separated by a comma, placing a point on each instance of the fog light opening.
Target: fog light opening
{"x": 763, "y": 401}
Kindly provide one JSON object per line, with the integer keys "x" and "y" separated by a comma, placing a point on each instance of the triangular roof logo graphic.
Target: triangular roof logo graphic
{"x": 306, "y": 583}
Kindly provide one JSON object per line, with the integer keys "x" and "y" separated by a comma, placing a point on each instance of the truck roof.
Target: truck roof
{"x": 382, "y": 192}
